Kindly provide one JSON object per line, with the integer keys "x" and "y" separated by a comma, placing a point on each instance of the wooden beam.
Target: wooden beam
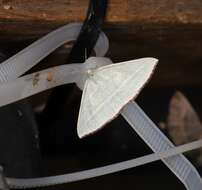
{"x": 26, "y": 18}
{"x": 181, "y": 11}
{"x": 167, "y": 29}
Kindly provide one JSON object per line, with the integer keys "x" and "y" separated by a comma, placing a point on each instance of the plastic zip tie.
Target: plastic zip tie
{"x": 178, "y": 164}
{"x": 37, "y": 82}
{"x": 27, "y": 58}
{"x": 18, "y": 183}
{"x": 18, "y": 64}
{"x": 24, "y": 87}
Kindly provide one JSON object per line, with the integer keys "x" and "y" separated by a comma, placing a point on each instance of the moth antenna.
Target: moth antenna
{"x": 86, "y": 56}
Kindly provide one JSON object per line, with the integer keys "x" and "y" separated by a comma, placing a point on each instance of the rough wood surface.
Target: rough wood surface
{"x": 34, "y": 17}
{"x": 166, "y": 29}
{"x": 181, "y": 11}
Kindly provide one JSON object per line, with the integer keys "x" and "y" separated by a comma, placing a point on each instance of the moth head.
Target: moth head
{"x": 96, "y": 62}
{"x": 90, "y": 66}
{"x": 90, "y": 72}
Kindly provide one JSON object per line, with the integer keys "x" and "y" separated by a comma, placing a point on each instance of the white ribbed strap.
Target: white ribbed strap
{"x": 27, "y": 58}
{"x": 72, "y": 177}
{"x": 30, "y": 56}
{"x": 34, "y": 83}
{"x": 179, "y": 165}
{"x": 158, "y": 142}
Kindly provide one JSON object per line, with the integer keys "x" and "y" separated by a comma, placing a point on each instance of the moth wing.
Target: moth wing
{"x": 109, "y": 89}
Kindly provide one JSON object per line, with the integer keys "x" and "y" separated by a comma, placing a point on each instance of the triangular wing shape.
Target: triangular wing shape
{"x": 108, "y": 89}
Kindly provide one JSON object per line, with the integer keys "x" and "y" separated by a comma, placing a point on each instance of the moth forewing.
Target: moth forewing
{"x": 111, "y": 87}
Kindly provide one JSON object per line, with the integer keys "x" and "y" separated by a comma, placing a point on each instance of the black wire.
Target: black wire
{"x": 56, "y": 110}
{"x": 89, "y": 32}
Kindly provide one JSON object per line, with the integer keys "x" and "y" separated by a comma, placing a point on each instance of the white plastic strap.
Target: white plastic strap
{"x": 34, "y": 83}
{"x": 25, "y": 86}
{"x": 27, "y": 58}
{"x": 72, "y": 177}
{"x": 18, "y": 64}
{"x": 158, "y": 142}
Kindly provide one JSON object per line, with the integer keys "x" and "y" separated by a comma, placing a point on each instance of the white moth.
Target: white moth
{"x": 106, "y": 89}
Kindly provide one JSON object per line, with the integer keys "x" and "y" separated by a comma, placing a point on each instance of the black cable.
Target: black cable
{"x": 89, "y": 32}
{"x": 54, "y": 118}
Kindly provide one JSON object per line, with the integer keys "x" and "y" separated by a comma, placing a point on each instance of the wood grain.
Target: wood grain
{"x": 181, "y": 11}
{"x": 34, "y": 17}
{"x": 166, "y": 29}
